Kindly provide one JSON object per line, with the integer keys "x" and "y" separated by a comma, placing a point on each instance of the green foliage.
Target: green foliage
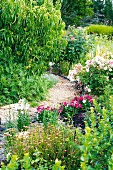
{"x": 16, "y": 83}
{"x": 48, "y": 117}
{"x": 37, "y": 163}
{"x": 52, "y": 142}
{"x": 100, "y": 29}
{"x": 96, "y": 144}
{"x": 29, "y": 31}
{"x": 57, "y": 165}
{"x": 78, "y": 46}
{"x": 73, "y": 11}
{"x": 23, "y": 120}
{"x": 13, "y": 164}
{"x": 31, "y": 36}
{"x": 95, "y": 79}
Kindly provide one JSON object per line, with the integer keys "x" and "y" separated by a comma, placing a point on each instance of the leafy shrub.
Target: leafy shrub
{"x": 96, "y": 74}
{"x": 28, "y": 164}
{"x": 100, "y": 29}
{"x": 31, "y": 36}
{"x": 30, "y": 32}
{"x": 78, "y": 45}
{"x": 96, "y": 144}
{"x": 52, "y": 142}
{"x": 16, "y": 83}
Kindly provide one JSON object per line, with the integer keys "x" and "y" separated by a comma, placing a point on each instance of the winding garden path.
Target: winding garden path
{"x": 62, "y": 91}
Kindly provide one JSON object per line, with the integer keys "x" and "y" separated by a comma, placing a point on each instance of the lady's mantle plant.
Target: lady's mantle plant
{"x": 76, "y": 106}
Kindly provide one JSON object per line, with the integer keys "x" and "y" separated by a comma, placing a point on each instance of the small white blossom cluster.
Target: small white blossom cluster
{"x": 22, "y": 105}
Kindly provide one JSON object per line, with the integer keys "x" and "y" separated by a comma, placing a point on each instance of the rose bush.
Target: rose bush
{"x": 96, "y": 74}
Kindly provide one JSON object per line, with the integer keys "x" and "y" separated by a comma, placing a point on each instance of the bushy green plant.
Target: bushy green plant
{"x": 100, "y": 30}
{"x": 38, "y": 163}
{"x": 23, "y": 120}
{"x": 31, "y": 36}
{"x": 16, "y": 83}
{"x": 31, "y": 31}
{"x": 96, "y": 144}
{"x": 52, "y": 142}
{"x": 78, "y": 45}
{"x": 96, "y": 74}
{"x": 77, "y": 105}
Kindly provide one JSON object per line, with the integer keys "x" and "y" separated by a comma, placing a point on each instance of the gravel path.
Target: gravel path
{"x": 62, "y": 91}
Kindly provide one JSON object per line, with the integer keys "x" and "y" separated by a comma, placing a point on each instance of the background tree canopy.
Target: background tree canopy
{"x": 82, "y": 12}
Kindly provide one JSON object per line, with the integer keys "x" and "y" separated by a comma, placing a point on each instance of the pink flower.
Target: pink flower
{"x": 60, "y": 109}
{"x": 80, "y": 98}
{"x": 86, "y": 96}
{"x": 65, "y": 103}
{"x": 80, "y": 105}
{"x": 76, "y": 104}
{"x": 111, "y": 63}
{"x": 40, "y": 108}
{"x": 48, "y": 108}
{"x": 76, "y": 98}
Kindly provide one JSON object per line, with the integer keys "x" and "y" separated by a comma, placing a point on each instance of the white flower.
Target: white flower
{"x": 8, "y": 155}
{"x": 110, "y": 69}
{"x": 71, "y": 75}
{"x": 89, "y": 90}
{"x": 51, "y": 64}
{"x": 26, "y": 107}
{"x": 105, "y": 68}
{"x": 87, "y": 69}
{"x": 84, "y": 101}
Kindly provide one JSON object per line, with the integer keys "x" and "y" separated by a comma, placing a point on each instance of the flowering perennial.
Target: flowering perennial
{"x": 42, "y": 108}
{"x": 82, "y": 103}
{"x": 104, "y": 62}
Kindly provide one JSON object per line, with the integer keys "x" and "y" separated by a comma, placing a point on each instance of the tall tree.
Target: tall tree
{"x": 74, "y": 10}
{"x": 103, "y": 9}
{"x": 108, "y": 11}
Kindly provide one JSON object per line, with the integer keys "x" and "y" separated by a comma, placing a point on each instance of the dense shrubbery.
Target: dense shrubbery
{"x": 31, "y": 36}
{"x": 29, "y": 31}
{"x": 16, "y": 83}
{"x": 100, "y": 29}
{"x": 77, "y": 47}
